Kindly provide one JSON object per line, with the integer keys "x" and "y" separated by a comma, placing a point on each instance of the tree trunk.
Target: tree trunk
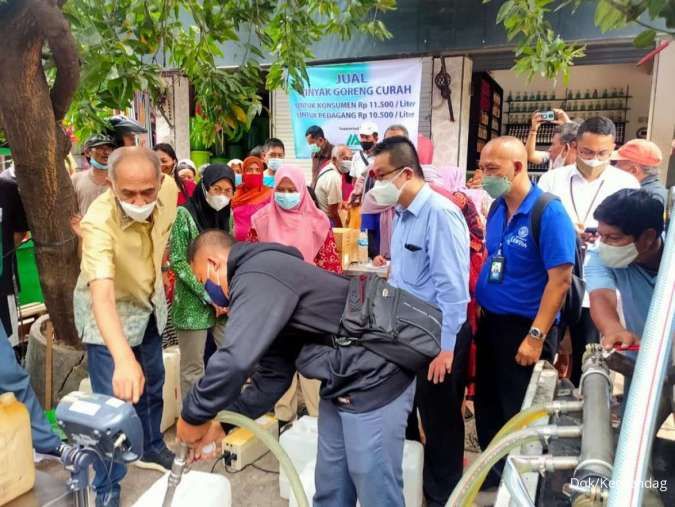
{"x": 31, "y": 118}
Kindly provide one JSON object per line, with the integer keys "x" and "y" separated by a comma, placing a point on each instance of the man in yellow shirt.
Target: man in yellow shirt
{"x": 120, "y": 307}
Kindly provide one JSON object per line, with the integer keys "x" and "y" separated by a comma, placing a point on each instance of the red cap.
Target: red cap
{"x": 640, "y": 151}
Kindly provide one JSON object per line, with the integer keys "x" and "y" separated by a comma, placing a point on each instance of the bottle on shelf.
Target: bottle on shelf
{"x": 587, "y": 95}
{"x": 517, "y": 95}
{"x": 570, "y": 95}
{"x": 509, "y": 99}
{"x": 604, "y": 93}
{"x": 595, "y": 93}
{"x": 582, "y": 107}
{"x": 533, "y": 96}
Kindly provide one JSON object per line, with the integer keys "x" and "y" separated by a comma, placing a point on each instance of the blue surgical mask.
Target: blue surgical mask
{"x": 268, "y": 181}
{"x": 97, "y": 165}
{"x": 237, "y": 180}
{"x": 287, "y": 200}
{"x": 275, "y": 163}
{"x": 214, "y": 290}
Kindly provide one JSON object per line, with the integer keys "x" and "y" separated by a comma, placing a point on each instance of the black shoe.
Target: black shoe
{"x": 160, "y": 461}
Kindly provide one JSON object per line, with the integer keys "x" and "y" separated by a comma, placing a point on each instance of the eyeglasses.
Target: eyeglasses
{"x": 221, "y": 191}
{"x": 383, "y": 177}
{"x": 588, "y": 154}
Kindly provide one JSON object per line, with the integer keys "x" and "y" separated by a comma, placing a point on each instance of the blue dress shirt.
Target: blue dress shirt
{"x": 430, "y": 258}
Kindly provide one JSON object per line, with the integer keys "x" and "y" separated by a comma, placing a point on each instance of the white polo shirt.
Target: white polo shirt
{"x": 582, "y": 197}
{"x": 359, "y": 165}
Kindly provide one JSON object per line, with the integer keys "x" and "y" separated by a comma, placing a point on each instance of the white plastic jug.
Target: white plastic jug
{"x": 196, "y": 489}
{"x": 300, "y": 443}
{"x": 17, "y": 471}
{"x": 413, "y": 465}
{"x": 171, "y": 392}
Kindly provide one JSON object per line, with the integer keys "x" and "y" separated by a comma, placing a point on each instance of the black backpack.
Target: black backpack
{"x": 570, "y": 312}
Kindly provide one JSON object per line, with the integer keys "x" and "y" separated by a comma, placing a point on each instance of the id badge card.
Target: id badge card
{"x": 496, "y": 269}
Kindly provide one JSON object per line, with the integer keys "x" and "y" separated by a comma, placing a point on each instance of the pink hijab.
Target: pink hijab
{"x": 451, "y": 178}
{"x": 304, "y": 227}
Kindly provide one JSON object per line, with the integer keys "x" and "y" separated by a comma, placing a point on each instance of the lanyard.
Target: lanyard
{"x": 590, "y": 206}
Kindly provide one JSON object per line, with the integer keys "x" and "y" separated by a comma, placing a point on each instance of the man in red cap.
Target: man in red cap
{"x": 641, "y": 158}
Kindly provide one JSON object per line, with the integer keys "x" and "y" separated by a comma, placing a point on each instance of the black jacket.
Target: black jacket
{"x": 280, "y": 306}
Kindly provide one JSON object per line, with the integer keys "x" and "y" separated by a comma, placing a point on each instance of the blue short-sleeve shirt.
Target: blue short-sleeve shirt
{"x": 525, "y": 264}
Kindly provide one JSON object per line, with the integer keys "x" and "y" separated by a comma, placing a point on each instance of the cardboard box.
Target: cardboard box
{"x": 347, "y": 242}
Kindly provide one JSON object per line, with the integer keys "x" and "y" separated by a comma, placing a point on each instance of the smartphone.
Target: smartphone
{"x": 547, "y": 115}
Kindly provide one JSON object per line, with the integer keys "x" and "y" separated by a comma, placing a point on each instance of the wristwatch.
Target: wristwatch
{"x": 537, "y": 334}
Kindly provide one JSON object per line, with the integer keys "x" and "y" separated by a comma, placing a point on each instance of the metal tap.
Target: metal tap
{"x": 177, "y": 469}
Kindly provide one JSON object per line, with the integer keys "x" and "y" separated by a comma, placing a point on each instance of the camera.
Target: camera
{"x": 547, "y": 115}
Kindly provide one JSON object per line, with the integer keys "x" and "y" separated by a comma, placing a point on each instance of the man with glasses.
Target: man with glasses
{"x": 120, "y": 306}
{"x": 581, "y": 188}
{"x": 430, "y": 259}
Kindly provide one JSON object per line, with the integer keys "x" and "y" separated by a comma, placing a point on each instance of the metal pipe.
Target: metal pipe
{"x": 541, "y": 464}
{"x": 597, "y": 442}
{"x": 468, "y": 486}
{"x": 639, "y": 423}
{"x": 177, "y": 468}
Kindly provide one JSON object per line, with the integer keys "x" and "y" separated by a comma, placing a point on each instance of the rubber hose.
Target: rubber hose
{"x": 284, "y": 461}
{"x": 520, "y": 421}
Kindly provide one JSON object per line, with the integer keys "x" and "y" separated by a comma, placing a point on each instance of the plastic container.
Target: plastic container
{"x": 16, "y": 449}
{"x": 363, "y": 247}
{"x": 300, "y": 443}
{"x": 171, "y": 393}
{"x": 31, "y": 290}
{"x": 413, "y": 467}
{"x": 195, "y": 489}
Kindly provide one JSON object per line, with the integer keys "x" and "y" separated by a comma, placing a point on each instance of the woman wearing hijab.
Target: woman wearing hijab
{"x": 293, "y": 219}
{"x": 250, "y": 196}
{"x": 185, "y": 175}
{"x": 194, "y": 311}
{"x": 170, "y": 165}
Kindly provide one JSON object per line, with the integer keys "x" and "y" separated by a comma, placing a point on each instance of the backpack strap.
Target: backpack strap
{"x": 493, "y": 208}
{"x": 537, "y": 211}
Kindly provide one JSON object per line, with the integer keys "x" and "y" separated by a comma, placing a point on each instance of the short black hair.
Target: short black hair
{"x": 402, "y": 153}
{"x": 599, "y": 125}
{"x": 210, "y": 237}
{"x": 166, "y": 148}
{"x": 631, "y": 210}
{"x": 256, "y": 151}
{"x": 316, "y": 132}
{"x": 273, "y": 142}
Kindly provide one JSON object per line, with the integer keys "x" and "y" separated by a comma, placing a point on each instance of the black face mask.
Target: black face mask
{"x": 367, "y": 145}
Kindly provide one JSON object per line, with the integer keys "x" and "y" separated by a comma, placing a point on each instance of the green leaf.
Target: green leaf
{"x": 645, "y": 39}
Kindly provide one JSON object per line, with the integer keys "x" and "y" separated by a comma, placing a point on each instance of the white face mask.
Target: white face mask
{"x": 274, "y": 164}
{"x": 138, "y": 213}
{"x": 386, "y": 193}
{"x": 217, "y": 202}
{"x": 345, "y": 166}
{"x": 617, "y": 256}
{"x": 559, "y": 161}
{"x": 594, "y": 162}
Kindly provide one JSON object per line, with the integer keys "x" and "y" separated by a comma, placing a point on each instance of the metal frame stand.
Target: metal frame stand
{"x": 77, "y": 461}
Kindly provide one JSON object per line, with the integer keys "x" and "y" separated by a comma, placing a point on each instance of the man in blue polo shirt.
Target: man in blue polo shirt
{"x": 521, "y": 287}
{"x": 430, "y": 259}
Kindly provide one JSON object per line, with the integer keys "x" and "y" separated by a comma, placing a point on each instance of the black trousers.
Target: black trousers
{"x": 500, "y": 381}
{"x": 440, "y": 407}
{"x": 581, "y": 333}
